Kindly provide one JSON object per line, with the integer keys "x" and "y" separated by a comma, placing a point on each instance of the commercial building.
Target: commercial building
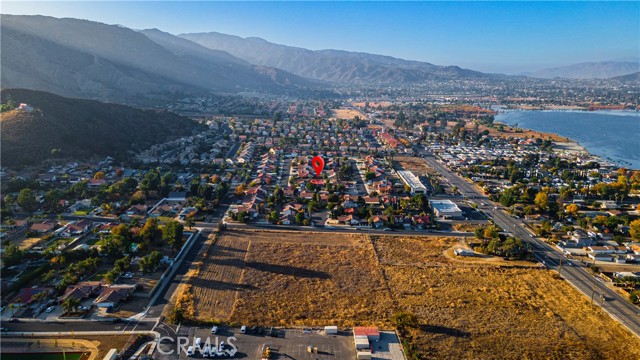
{"x": 445, "y": 209}
{"x": 413, "y": 182}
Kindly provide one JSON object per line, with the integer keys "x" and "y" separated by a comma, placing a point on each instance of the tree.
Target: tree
{"x": 27, "y": 199}
{"x": 150, "y": 262}
{"x": 572, "y": 209}
{"x": 172, "y": 233}
{"x": 99, "y": 175}
{"x": 150, "y": 229}
{"x": 189, "y": 221}
{"x": 70, "y": 304}
{"x": 52, "y": 197}
{"x": 300, "y": 217}
{"x": 542, "y": 200}
{"x": 111, "y": 276}
{"x": 634, "y": 229}
{"x": 240, "y": 190}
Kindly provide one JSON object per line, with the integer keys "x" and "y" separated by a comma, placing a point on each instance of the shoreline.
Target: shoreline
{"x": 566, "y": 145}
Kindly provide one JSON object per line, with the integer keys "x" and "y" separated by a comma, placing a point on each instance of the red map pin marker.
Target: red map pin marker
{"x": 318, "y": 164}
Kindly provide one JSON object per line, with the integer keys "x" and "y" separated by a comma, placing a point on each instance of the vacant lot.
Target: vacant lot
{"x": 346, "y": 113}
{"x": 219, "y": 280}
{"x": 312, "y": 280}
{"x": 415, "y": 164}
{"x": 465, "y": 309}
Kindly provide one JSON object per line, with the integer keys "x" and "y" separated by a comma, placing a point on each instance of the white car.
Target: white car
{"x": 243, "y": 329}
{"x": 190, "y": 351}
{"x": 50, "y": 309}
{"x": 214, "y": 329}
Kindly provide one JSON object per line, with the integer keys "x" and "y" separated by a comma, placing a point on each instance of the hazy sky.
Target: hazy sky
{"x": 488, "y": 36}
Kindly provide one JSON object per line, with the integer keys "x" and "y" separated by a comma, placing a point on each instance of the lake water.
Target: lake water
{"x": 613, "y": 135}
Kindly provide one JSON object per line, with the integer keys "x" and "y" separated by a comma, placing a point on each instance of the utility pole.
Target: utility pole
{"x": 601, "y": 302}
{"x": 560, "y": 268}
{"x": 593, "y": 291}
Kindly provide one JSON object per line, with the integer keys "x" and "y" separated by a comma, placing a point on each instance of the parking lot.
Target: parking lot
{"x": 290, "y": 343}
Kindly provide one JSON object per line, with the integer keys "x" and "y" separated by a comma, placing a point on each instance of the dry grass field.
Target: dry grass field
{"x": 346, "y": 113}
{"x": 466, "y": 309}
{"x": 373, "y": 104}
{"x": 219, "y": 281}
{"x": 414, "y": 164}
{"x": 296, "y": 280}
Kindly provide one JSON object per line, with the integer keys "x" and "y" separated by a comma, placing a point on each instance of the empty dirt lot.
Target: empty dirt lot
{"x": 465, "y": 309}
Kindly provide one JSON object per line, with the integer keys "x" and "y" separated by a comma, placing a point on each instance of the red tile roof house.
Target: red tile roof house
{"x": 43, "y": 227}
{"x": 26, "y": 295}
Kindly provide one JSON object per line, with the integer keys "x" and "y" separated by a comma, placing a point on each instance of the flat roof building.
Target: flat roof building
{"x": 412, "y": 181}
{"x": 445, "y": 209}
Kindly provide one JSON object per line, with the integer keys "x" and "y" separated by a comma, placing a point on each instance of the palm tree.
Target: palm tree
{"x": 70, "y": 304}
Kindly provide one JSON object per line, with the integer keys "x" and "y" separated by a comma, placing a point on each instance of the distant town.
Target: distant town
{"x": 104, "y": 239}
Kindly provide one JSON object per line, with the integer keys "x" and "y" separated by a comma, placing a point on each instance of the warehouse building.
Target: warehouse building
{"x": 445, "y": 209}
{"x": 413, "y": 182}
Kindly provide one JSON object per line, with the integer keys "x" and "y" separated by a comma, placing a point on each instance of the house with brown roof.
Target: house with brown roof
{"x": 43, "y": 227}
{"x": 81, "y": 291}
{"x": 113, "y": 295}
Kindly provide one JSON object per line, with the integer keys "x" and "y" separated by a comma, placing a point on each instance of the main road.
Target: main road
{"x": 613, "y": 303}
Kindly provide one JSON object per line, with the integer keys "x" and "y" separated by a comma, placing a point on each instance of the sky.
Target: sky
{"x": 506, "y": 37}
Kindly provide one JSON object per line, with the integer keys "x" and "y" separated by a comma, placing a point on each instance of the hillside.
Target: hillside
{"x": 329, "y": 65}
{"x": 80, "y": 128}
{"x": 588, "y": 70}
{"x": 628, "y": 78}
{"x": 86, "y": 59}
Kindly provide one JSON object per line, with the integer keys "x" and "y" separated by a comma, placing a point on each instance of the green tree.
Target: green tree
{"x": 27, "y": 200}
{"x": 172, "y": 234}
{"x": 189, "y": 222}
{"x": 111, "y": 276}
{"x": 150, "y": 231}
{"x": 70, "y": 304}
{"x": 150, "y": 262}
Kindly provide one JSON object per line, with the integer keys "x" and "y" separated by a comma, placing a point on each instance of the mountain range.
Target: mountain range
{"x": 81, "y": 129}
{"x": 588, "y": 70}
{"x": 330, "y": 65}
{"x": 86, "y": 59}
{"x": 112, "y": 63}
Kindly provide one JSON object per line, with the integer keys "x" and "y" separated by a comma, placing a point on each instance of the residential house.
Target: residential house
{"x": 77, "y": 228}
{"x": 81, "y": 291}
{"x": 113, "y": 295}
{"x": 43, "y": 227}
{"x": 26, "y": 296}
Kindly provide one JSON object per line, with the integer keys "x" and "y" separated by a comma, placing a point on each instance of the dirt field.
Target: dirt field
{"x": 219, "y": 281}
{"x": 467, "y": 309}
{"x": 373, "y": 104}
{"x": 28, "y": 243}
{"x": 346, "y": 113}
{"x": 414, "y": 164}
{"x": 305, "y": 284}
{"x": 523, "y": 133}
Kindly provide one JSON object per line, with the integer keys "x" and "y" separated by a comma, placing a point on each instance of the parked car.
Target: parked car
{"x": 243, "y": 329}
{"x": 49, "y": 309}
{"x": 214, "y": 329}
